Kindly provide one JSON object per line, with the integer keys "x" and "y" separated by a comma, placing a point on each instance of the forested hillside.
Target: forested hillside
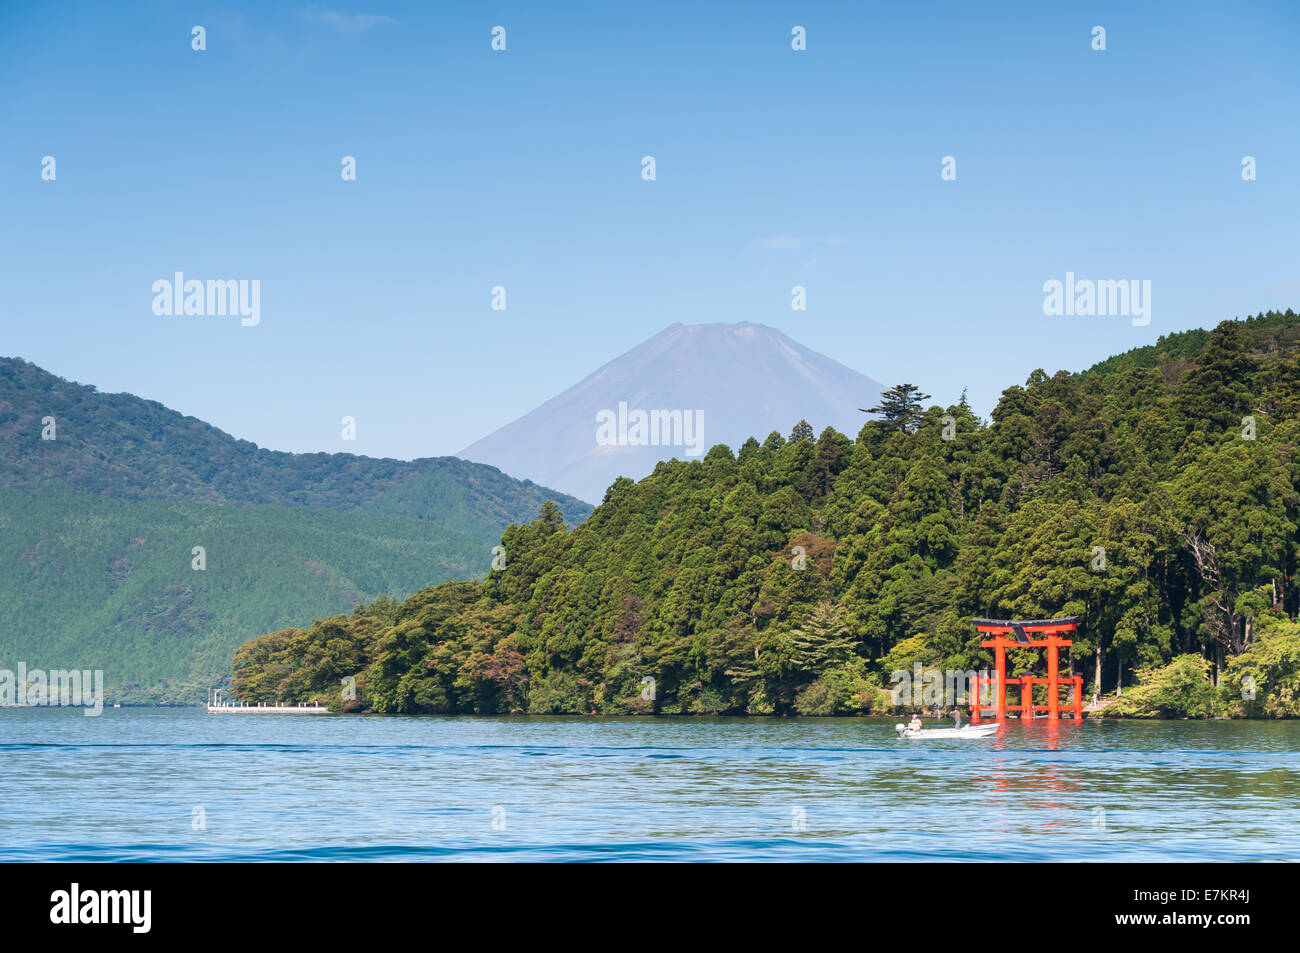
{"x": 123, "y": 446}
{"x": 99, "y": 520}
{"x": 1156, "y": 496}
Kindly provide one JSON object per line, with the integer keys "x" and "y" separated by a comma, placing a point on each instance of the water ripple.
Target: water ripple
{"x": 179, "y": 785}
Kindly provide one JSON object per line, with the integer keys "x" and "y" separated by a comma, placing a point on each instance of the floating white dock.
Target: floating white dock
{"x": 267, "y": 710}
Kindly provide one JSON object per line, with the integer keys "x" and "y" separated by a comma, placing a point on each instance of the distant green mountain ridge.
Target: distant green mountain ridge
{"x": 98, "y": 528}
{"x": 126, "y": 447}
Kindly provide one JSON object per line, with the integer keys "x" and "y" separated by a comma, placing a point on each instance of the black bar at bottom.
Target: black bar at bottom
{"x": 253, "y": 906}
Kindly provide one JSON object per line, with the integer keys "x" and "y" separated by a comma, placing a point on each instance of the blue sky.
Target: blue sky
{"x": 775, "y": 168}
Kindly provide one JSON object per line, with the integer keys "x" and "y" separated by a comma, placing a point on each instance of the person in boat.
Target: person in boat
{"x": 915, "y": 723}
{"x": 956, "y": 716}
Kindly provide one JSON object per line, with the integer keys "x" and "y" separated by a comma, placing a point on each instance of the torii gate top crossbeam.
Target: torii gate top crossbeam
{"x": 1008, "y": 626}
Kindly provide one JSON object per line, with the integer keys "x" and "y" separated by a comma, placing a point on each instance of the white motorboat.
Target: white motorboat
{"x": 965, "y": 731}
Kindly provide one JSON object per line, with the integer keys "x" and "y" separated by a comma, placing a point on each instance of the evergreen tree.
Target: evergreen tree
{"x": 802, "y": 433}
{"x": 823, "y": 641}
{"x": 900, "y": 408}
{"x": 1217, "y": 390}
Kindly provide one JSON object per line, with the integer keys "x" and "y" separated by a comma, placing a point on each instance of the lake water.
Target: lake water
{"x": 134, "y": 784}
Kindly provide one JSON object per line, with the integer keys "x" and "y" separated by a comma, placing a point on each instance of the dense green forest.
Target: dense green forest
{"x": 98, "y": 525}
{"x": 1156, "y": 496}
{"x": 91, "y": 582}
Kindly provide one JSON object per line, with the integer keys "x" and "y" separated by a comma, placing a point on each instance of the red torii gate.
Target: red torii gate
{"x": 1020, "y": 631}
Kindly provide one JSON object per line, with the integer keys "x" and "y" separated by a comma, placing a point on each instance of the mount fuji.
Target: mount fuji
{"x": 677, "y": 394}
